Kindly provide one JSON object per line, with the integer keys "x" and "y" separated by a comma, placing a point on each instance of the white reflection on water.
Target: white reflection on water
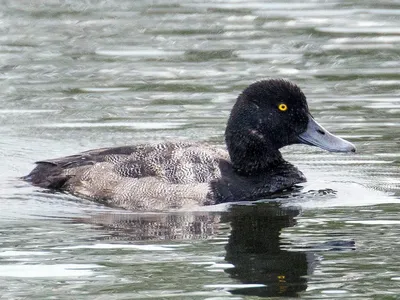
{"x": 145, "y": 53}
{"x": 136, "y": 125}
{"x": 124, "y": 246}
{"x": 51, "y": 271}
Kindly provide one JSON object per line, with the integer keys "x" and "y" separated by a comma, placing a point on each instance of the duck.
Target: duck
{"x": 267, "y": 115}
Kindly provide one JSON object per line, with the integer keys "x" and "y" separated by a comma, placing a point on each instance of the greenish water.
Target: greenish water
{"x": 77, "y": 75}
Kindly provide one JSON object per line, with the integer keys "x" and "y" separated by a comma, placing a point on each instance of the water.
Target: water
{"x": 77, "y": 75}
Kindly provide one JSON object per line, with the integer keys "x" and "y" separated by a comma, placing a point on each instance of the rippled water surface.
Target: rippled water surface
{"x": 76, "y": 75}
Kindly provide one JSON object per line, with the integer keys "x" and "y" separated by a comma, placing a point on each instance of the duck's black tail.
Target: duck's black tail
{"x": 47, "y": 175}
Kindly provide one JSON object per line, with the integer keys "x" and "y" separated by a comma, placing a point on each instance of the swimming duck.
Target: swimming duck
{"x": 267, "y": 116}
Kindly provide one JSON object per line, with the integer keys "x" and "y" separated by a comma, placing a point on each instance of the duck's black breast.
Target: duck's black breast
{"x": 232, "y": 186}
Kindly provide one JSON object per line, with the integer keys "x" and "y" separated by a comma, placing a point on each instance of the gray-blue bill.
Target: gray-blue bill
{"x": 318, "y": 136}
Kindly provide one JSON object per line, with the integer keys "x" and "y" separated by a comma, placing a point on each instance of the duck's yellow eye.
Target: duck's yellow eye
{"x": 282, "y": 107}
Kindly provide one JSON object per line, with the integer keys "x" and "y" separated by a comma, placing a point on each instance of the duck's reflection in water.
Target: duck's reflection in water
{"x": 253, "y": 248}
{"x": 156, "y": 226}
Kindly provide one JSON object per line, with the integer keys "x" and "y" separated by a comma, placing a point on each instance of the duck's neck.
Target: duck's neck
{"x": 252, "y": 156}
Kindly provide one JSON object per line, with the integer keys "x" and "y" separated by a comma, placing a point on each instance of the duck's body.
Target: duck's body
{"x": 267, "y": 116}
{"x": 159, "y": 176}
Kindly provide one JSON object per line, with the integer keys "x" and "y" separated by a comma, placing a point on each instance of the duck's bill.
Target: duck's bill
{"x": 318, "y": 136}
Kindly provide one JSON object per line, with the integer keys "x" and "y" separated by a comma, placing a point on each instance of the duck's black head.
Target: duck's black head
{"x": 267, "y": 116}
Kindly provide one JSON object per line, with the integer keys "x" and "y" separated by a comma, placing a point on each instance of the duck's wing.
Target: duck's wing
{"x": 120, "y": 174}
{"x": 111, "y": 154}
{"x": 53, "y": 173}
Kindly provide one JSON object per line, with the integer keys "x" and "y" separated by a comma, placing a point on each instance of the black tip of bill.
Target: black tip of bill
{"x": 318, "y": 136}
